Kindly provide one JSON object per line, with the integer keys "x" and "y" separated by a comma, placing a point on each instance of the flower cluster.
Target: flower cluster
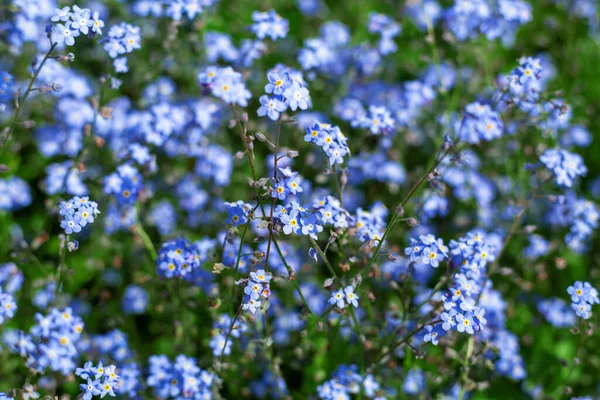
{"x": 579, "y": 214}
{"x": 14, "y": 194}
{"x": 122, "y": 39}
{"x": 7, "y": 89}
{"x": 300, "y": 220}
{"x": 387, "y": 28}
{"x": 330, "y": 139}
{"x": 289, "y": 184}
{"x": 269, "y": 24}
{"x": 100, "y": 380}
{"x": 427, "y": 250}
{"x": 174, "y": 9}
{"x": 565, "y": 165}
{"x": 460, "y": 311}
{"x": 180, "y": 379}
{"x": 480, "y": 123}
{"x": 70, "y": 24}
{"x": 469, "y": 18}
{"x": 583, "y": 297}
{"x": 376, "y": 167}
{"x": 125, "y": 184}
{"x": 226, "y": 84}
{"x": 220, "y": 343}
{"x": 135, "y": 300}
{"x": 523, "y": 85}
{"x": 343, "y": 297}
{"x": 77, "y": 213}
{"x": 257, "y": 287}
{"x": 557, "y": 312}
{"x": 177, "y": 258}
{"x": 52, "y": 342}
{"x": 237, "y": 212}
{"x": 378, "y": 120}
{"x": 346, "y": 381}
{"x": 286, "y": 88}
{"x": 455, "y": 147}
{"x": 370, "y": 224}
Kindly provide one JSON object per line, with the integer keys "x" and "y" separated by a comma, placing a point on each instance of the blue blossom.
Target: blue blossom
{"x": 271, "y": 107}
{"x": 351, "y": 297}
{"x": 269, "y": 24}
{"x": 338, "y": 298}
{"x": 566, "y": 166}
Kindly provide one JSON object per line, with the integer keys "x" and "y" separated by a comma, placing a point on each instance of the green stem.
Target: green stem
{"x": 139, "y": 229}
{"x": 61, "y": 265}
{"x": 324, "y": 257}
{"x": 19, "y": 107}
{"x": 466, "y": 363}
{"x": 337, "y": 185}
{"x": 412, "y": 191}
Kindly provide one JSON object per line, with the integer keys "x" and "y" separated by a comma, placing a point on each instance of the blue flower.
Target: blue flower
{"x": 465, "y": 323}
{"x": 351, "y": 297}
{"x": 278, "y": 83}
{"x": 64, "y": 34}
{"x": 271, "y": 107}
{"x": 290, "y": 222}
{"x": 337, "y": 298}
{"x": 91, "y": 388}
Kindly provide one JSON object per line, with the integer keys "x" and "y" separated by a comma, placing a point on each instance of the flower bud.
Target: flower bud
{"x": 413, "y": 222}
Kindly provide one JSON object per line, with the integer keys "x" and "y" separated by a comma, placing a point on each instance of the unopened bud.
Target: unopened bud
{"x": 45, "y": 89}
{"x": 292, "y": 154}
{"x": 239, "y": 155}
{"x": 260, "y": 136}
{"x": 232, "y": 123}
{"x": 413, "y": 222}
{"x": 99, "y": 141}
{"x": 245, "y": 116}
{"x": 344, "y": 178}
{"x": 87, "y": 129}
{"x": 391, "y": 258}
{"x": 400, "y": 211}
{"x": 106, "y": 112}
{"x": 28, "y": 124}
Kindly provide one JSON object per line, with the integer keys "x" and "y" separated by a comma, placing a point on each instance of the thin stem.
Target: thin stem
{"x": 337, "y": 185}
{"x": 405, "y": 339}
{"x": 579, "y": 343}
{"x": 229, "y": 334}
{"x": 243, "y": 137}
{"x": 291, "y": 274}
{"x": 412, "y": 191}
{"x": 87, "y": 138}
{"x": 61, "y": 265}
{"x": 237, "y": 261}
{"x": 466, "y": 363}
{"x": 21, "y": 104}
{"x": 139, "y": 229}
{"x": 324, "y": 257}
{"x": 271, "y": 224}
